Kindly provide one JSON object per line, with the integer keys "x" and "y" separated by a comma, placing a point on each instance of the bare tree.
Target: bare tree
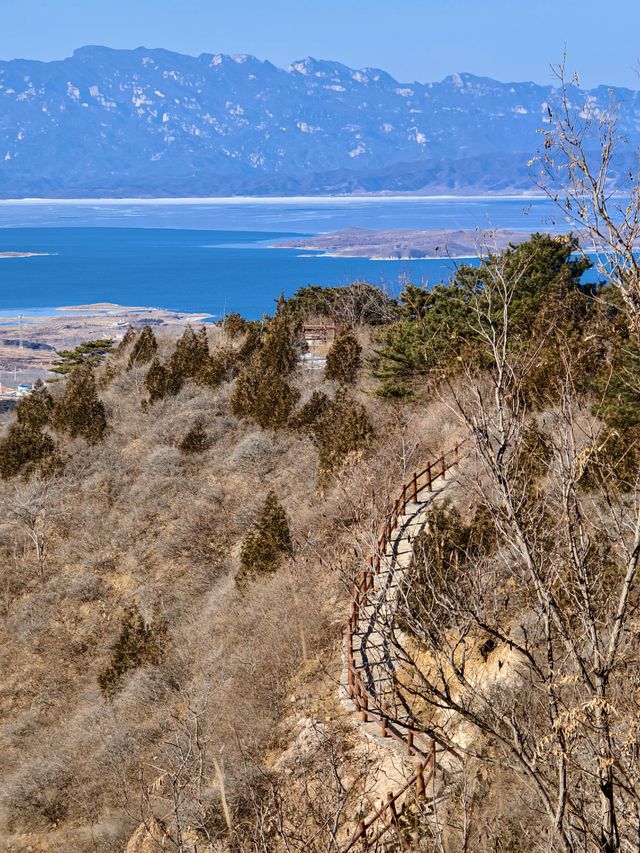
{"x": 31, "y": 508}
{"x": 590, "y": 172}
{"x": 527, "y": 606}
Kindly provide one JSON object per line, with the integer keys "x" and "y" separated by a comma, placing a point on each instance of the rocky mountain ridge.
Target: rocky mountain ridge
{"x": 142, "y": 122}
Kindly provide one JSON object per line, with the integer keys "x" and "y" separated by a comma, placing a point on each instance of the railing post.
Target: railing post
{"x": 444, "y": 467}
{"x": 392, "y": 807}
{"x": 357, "y": 691}
{"x": 383, "y": 727}
{"x": 429, "y": 484}
{"x": 410, "y": 741}
{"x": 365, "y": 706}
{"x": 420, "y": 786}
{"x": 414, "y": 486}
{"x": 456, "y": 452}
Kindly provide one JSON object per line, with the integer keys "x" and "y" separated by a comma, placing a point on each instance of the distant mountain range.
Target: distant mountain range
{"x": 154, "y": 123}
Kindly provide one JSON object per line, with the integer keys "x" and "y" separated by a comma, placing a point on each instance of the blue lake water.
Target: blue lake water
{"x": 214, "y": 256}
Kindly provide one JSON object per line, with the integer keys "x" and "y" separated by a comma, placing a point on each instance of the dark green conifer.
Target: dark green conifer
{"x": 190, "y": 355}
{"x": 195, "y": 440}
{"x": 313, "y": 411}
{"x": 344, "y": 358}
{"x": 263, "y": 395}
{"x": 234, "y": 325}
{"x": 137, "y": 644}
{"x": 161, "y": 381}
{"x": 268, "y": 543}
{"x": 218, "y": 368}
{"x": 144, "y": 348}
{"x": 24, "y": 449}
{"x": 34, "y": 410}
{"x": 80, "y": 412}
{"x": 89, "y": 352}
{"x": 343, "y": 430}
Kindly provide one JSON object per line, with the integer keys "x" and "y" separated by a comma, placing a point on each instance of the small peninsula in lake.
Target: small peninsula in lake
{"x": 408, "y": 244}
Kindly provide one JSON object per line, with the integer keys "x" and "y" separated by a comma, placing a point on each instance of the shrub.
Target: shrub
{"x": 263, "y": 395}
{"x": 34, "y": 410}
{"x": 138, "y": 644}
{"x": 190, "y": 355}
{"x": 218, "y": 368}
{"x": 442, "y": 554}
{"x": 161, "y": 382}
{"x": 79, "y": 411}
{"x": 357, "y": 303}
{"x": 251, "y": 344}
{"x": 268, "y": 543}
{"x": 25, "y": 448}
{"x": 234, "y": 325}
{"x": 262, "y": 391}
{"x": 313, "y": 411}
{"x": 128, "y": 338}
{"x": 144, "y": 348}
{"x": 344, "y": 430}
{"x": 195, "y": 441}
{"x": 344, "y": 358}
{"x": 281, "y": 345}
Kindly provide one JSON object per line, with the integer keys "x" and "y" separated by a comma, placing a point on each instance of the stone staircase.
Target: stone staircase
{"x": 373, "y": 657}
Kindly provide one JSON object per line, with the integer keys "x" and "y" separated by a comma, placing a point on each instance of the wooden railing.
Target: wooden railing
{"x": 368, "y": 704}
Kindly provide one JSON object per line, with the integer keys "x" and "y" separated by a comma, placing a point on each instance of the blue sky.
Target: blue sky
{"x": 412, "y": 39}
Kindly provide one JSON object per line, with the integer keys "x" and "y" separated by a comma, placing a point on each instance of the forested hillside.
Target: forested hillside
{"x": 182, "y": 521}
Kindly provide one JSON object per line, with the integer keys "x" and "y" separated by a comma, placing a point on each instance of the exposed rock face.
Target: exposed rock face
{"x": 151, "y": 122}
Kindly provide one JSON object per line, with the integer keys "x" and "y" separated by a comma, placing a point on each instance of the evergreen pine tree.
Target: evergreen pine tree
{"x": 195, "y": 440}
{"x": 234, "y": 325}
{"x": 79, "y": 411}
{"x": 268, "y": 543}
{"x": 344, "y": 358}
{"x": 34, "y": 410}
{"x": 190, "y": 355}
{"x": 161, "y": 381}
{"x": 137, "y": 644}
{"x": 144, "y": 348}
{"x": 218, "y": 368}
{"x": 279, "y": 353}
{"x": 25, "y": 448}
{"x": 263, "y": 395}
{"x": 89, "y": 352}
{"x": 344, "y": 429}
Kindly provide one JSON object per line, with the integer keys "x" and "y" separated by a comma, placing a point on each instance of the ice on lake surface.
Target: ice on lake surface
{"x": 213, "y": 255}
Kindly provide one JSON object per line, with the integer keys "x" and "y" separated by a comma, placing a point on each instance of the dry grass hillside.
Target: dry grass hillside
{"x": 139, "y": 684}
{"x": 182, "y": 521}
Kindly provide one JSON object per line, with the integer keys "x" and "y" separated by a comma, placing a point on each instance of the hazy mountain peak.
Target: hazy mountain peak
{"x": 152, "y": 121}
